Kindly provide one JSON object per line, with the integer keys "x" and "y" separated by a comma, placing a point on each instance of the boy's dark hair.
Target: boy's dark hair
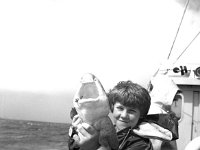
{"x": 132, "y": 95}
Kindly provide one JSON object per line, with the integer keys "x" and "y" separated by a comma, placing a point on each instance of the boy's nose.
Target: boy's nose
{"x": 124, "y": 114}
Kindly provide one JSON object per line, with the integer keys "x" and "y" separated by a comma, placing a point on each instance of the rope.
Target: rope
{"x": 178, "y": 29}
{"x": 187, "y": 47}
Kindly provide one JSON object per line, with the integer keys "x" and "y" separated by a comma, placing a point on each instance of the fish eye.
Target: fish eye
{"x": 120, "y": 108}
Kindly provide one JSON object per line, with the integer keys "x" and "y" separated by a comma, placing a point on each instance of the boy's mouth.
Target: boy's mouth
{"x": 124, "y": 121}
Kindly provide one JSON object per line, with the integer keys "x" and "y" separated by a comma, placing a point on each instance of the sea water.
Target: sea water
{"x": 32, "y": 135}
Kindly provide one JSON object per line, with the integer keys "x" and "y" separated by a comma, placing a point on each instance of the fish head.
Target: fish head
{"x": 90, "y": 100}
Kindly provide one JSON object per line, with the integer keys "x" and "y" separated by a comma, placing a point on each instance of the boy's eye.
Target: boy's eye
{"x": 131, "y": 111}
{"x": 120, "y": 108}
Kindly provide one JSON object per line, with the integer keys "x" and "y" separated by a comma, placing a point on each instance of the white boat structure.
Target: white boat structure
{"x": 187, "y": 106}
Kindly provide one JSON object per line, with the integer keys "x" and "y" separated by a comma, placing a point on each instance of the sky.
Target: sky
{"x": 47, "y": 45}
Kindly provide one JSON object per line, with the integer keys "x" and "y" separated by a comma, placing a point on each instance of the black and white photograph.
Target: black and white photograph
{"x": 99, "y": 75}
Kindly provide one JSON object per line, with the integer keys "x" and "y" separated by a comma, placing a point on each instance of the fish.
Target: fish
{"x": 92, "y": 106}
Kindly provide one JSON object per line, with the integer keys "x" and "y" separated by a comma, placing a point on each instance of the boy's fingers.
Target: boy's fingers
{"x": 90, "y": 129}
{"x": 76, "y": 120}
{"x": 81, "y": 131}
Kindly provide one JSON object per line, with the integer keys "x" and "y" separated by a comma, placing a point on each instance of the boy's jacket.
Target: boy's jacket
{"x": 128, "y": 140}
{"x": 159, "y": 126}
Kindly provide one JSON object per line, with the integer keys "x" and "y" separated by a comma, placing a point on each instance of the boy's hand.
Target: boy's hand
{"x": 87, "y": 137}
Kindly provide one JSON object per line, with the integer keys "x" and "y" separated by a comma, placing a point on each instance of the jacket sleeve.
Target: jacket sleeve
{"x": 167, "y": 121}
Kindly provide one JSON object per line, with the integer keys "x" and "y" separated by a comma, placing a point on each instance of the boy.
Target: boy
{"x": 129, "y": 103}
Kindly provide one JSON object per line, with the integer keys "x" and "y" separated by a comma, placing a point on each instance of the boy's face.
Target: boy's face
{"x": 125, "y": 116}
